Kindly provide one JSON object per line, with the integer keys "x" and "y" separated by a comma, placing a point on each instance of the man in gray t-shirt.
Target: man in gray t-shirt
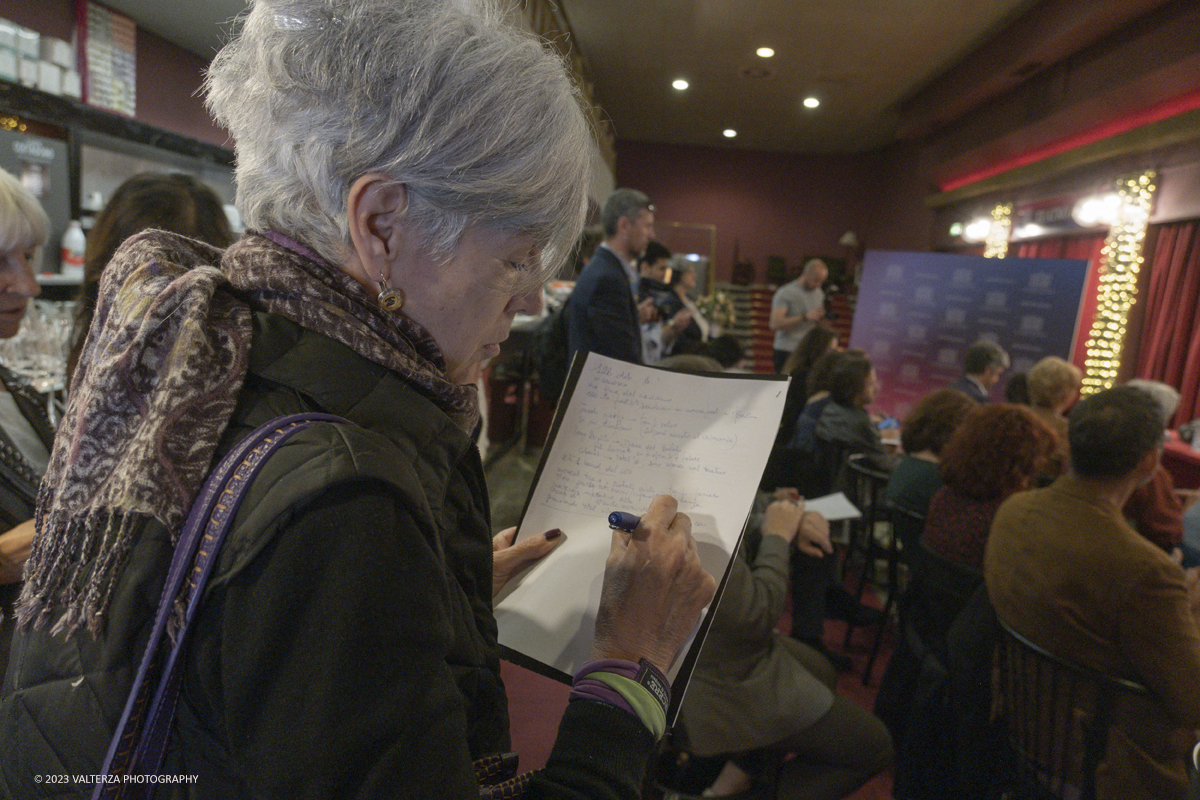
{"x": 796, "y": 308}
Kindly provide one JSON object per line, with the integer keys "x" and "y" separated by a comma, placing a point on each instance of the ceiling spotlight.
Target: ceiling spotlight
{"x": 765, "y": 52}
{"x": 811, "y": 102}
{"x": 729, "y": 133}
{"x": 680, "y": 84}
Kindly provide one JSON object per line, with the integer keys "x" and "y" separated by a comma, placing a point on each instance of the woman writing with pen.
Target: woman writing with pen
{"x": 411, "y": 172}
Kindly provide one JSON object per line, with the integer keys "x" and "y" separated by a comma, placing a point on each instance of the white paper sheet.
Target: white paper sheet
{"x": 630, "y": 433}
{"x": 833, "y": 507}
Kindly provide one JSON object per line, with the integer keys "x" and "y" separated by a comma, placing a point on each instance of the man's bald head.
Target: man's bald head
{"x": 814, "y": 274}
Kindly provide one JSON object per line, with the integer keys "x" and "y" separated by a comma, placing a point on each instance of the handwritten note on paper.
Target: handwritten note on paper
{"x": 630, "y": 433}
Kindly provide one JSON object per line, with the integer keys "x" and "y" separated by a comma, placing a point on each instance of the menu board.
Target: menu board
{"x": 917, "y": 313}
{"x": 107, "y": 57}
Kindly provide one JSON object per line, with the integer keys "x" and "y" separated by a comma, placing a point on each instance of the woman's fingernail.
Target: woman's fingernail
{"x": 551, "y": 535}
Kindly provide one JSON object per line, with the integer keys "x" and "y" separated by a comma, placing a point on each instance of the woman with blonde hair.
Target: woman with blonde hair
{"x": 1053, "y": 388}
{"x": 410, "y": 172}
{"x": 25, "y": 430}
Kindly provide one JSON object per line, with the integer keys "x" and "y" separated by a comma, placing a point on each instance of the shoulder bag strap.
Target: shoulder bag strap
{"x": 138, "y": 745}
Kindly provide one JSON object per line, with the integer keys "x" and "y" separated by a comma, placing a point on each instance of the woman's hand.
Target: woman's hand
{"x": 15, "y": 544}
{"x": 783, "y": 519}
{"x": 654, "y": 589}
{"x": 788, "y": 520}
{"x": 813, "y": 536}
{"x": 508, "y": 559}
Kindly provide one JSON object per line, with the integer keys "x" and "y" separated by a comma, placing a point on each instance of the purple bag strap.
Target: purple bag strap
{"x": 140, "y": 740}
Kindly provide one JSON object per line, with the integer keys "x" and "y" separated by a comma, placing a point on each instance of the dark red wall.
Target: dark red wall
{"x": 781, "y": 204}
{"x": 168, "y": 76}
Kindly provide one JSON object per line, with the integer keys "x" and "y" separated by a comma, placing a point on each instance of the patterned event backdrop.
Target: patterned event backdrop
{"x": 917, "y": 313}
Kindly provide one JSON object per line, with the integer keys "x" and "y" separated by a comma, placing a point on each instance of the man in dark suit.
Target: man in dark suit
{"x": 602, "y": 315}
{"x": 983, "y": 365}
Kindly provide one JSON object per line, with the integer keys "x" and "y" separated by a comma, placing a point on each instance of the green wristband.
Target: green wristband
{"x": 648, "y": 708}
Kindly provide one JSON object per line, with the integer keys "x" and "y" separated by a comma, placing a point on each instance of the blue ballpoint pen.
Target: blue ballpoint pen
{"x": 620, "y": 520}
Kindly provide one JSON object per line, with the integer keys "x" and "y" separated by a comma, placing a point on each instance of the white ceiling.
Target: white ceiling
{"x": 859, "y": 57}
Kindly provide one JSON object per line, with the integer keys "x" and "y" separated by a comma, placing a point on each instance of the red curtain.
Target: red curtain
{"x": 1086, "y": 247}
{"x": 1170, "y": 346}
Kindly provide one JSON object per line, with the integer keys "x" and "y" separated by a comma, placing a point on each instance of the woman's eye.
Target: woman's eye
{"x": 518, "y": 266}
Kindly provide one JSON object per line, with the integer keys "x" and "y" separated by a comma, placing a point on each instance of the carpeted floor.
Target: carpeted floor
{"x": 536, "y": 703}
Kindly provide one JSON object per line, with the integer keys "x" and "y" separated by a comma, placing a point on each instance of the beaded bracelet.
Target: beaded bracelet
{"x": 639, "y": 689}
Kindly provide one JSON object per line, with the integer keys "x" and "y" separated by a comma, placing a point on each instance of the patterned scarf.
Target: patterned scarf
{"x": 156, "y": 386}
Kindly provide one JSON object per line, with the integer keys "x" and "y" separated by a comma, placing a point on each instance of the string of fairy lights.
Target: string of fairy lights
{"x": 999, "y": 231}
{"x": 1120, "y": 262}
{"x": 1127, "y": 211}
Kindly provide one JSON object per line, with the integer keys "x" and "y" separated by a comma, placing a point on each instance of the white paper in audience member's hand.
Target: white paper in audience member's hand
{"x": 833, "y": 507}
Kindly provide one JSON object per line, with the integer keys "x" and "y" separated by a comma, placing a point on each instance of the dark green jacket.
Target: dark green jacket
{"x": 346, "y": 646}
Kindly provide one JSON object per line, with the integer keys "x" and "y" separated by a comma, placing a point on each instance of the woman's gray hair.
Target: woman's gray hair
{"x": 477, "y": 118}
{"x": 1163, "y": 394}
{"x": 23, "y": 222}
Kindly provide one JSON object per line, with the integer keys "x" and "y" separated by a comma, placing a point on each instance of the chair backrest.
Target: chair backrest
{"x": 830, "y": 474}
{"x": 865, "y": 487}
{"x": 939, "y": 589}
{"x": 1057, "y": 714}
{"x": 791, "y": 467}
{"x": 907, "y": 526}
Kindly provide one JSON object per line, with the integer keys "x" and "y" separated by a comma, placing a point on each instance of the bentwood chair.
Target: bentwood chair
{"x": 1058, "y": 716}
{"x": 866, "y": 486}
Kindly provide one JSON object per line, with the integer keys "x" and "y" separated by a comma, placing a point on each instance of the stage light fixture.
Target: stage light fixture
{"x": 679, "y": 84}
{"x": 765, "y": 52}
{"x": 977, "y": 230}
{"x": 811, "y": 102}
{"x": 729, "y": 133}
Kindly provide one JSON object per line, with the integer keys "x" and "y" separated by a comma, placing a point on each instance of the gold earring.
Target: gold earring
{"x": 390, "y": 299}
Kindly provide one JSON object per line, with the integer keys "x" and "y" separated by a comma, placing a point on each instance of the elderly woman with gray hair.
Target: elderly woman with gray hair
{"x": 1154, "y": 509}
{"x": 411, "y": 171}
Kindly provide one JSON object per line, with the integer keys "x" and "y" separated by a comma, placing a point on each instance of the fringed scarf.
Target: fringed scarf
{"x": 156, "y": 386}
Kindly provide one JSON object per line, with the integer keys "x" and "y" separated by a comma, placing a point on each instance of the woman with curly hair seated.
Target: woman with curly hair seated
{"x": 993, "y": 454}
{"x": 926, "y": 431}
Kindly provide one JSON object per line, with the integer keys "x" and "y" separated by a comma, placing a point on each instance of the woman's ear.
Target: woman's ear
{"x": 375, "y": 211}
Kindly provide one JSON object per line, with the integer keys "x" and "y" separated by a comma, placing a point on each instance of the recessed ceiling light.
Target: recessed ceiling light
{"x": 679, "y": 84}
{"x": 730, "y": 133}
{"x": 811, "y": 102}
{"x": 765, "y": 52}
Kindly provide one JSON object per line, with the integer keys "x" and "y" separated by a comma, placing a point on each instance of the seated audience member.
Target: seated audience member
{"x": 924, "y": 434}
{"x": 170, "y": 202}
{"x": 756, "y": 696}
{"x": 25, "y": 429}
{"x": 804, "y": 432}
{"x": 1053, "y": 388}
{"x": 691, "y": 363}
{"x": 1065, "y": 570}
{"x": 816, "y": 343}
{"x": 853, "y": 386}
{"x": 994, "y": 453}
{"x": 1016, "y": 391}
{"x": 1154, "y": 510}
{"x": 983, "y": 364}
{"x": 728, "y": 351}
